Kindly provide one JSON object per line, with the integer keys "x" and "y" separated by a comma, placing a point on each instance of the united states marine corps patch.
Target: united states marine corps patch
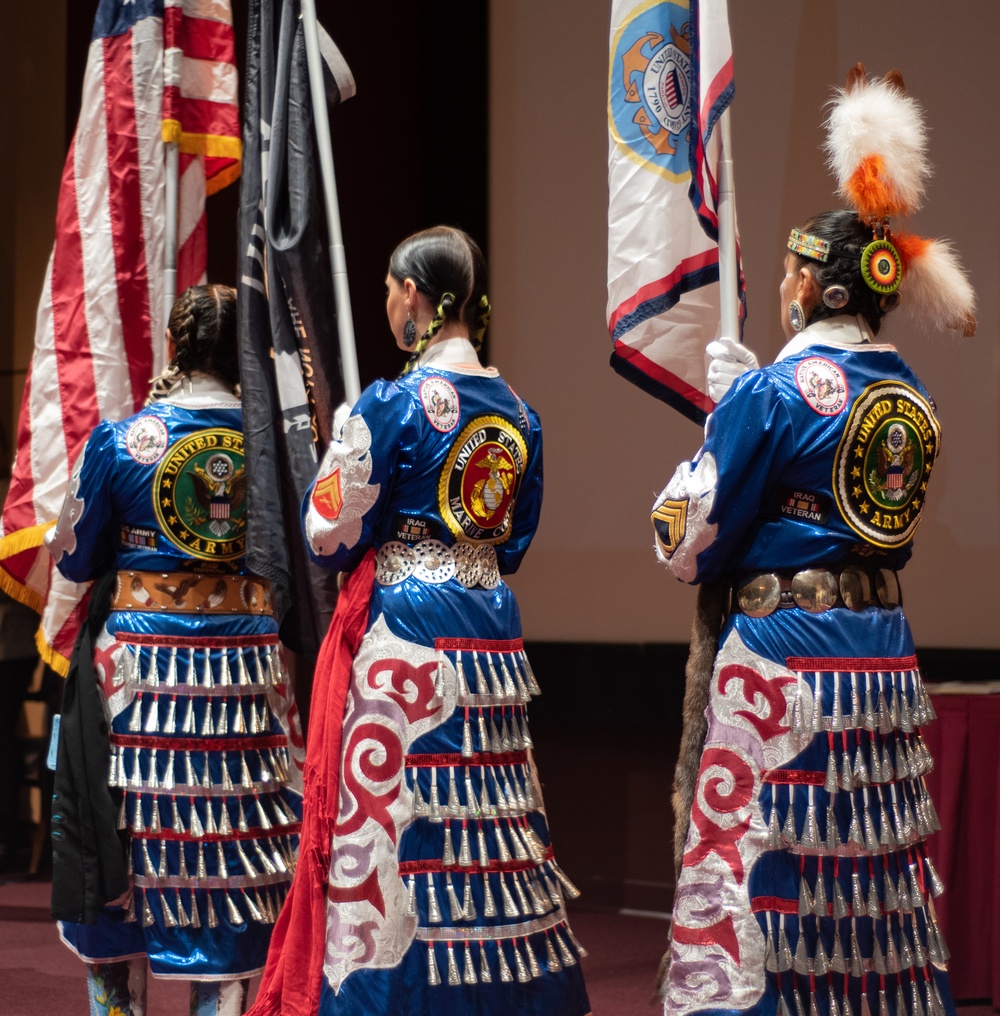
{"x": 884, "y": 461}
{"x": 199, "y": 494}
{"x": 480, "y": 480}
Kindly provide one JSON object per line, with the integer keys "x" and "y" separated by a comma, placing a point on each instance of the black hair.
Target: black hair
{"x": 203, "y": 326}
{"x": 447, "y": 266}
{"x": 848, "y": 236}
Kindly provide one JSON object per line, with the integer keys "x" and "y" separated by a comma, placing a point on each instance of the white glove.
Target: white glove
{"x": 340, "y": 415}
{"x": 729, "y": 360}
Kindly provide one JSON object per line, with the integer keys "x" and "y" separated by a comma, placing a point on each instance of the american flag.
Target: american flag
{"x": 671, "y": 78}
{"x": 156, "y": 69}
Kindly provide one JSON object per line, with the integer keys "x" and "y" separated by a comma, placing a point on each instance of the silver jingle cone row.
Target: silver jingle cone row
{"x": 917, "y": 995}
{"x": 186, "y": 668}
{"x": 170, "y": 711}
{"x": 183, "y": 908}
{"x": 489, "y": 679}
{"x": 187, "y": 773}
{"x": 480, "y": 957}
{"x": 860, "y": 700}
{"x": 473, "y": 791}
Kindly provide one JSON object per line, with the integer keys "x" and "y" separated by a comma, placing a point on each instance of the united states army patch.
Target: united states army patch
{"x": 199, "y": 494}
{"x": 480, "y": 480}
{"x": 884, "y": 461}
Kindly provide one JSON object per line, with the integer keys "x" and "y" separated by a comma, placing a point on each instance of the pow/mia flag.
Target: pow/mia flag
{"x": 289, "y": 363}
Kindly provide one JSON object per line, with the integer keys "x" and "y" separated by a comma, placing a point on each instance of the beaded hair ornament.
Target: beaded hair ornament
{"x": 876, "y": 145}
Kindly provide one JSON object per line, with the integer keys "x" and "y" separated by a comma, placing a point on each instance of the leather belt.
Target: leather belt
{"x": 471, "y": 564}
{"x": 815, "y": 590}
{"x": 192, "y": 593}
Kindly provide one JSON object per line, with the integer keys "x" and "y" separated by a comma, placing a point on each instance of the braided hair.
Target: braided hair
{"x": 447, "y": 266}
{"x": 202, "y": 325}
{"x": 848, "y": 236}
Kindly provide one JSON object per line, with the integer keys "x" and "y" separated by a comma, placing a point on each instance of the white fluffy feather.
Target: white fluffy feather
{"x": 936, "y": 291}
{"x": 877, "y": 119}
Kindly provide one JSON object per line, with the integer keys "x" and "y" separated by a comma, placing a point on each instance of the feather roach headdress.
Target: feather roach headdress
{"x": 876, "y": 143}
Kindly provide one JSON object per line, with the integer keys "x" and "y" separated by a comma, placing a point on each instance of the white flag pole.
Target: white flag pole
{"x": 338, "y": 262}
{"x": 170, "y": 228}
{"x": 728, "y": 264}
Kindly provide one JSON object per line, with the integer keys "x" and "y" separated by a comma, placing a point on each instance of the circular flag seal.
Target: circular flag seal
{"x": 199, "y": 494}
{"x": 883, "y": 462}
{"x": 441, "y": 404}
{"x": 822, "y": 385}
{"x": 146, "y": 440}
{"x": 480, "y": 480}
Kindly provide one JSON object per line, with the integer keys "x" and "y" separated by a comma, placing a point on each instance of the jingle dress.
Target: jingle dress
{"x": 205, "y": 747}
{"x": 443, "y": 896}
{"x": 805, "y": 887}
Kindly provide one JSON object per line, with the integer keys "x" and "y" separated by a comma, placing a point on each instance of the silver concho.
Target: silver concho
{"x": 434, "y": 561}
{"x": 815, "y": 590}
{"x": 467, "y": 568}
{"x": 394, "y": 562}
{"x": 855, "y": 588}
{"x": 760, "y": 596}
{"x": 887, "y": 588}
{"x": 489, "y": 573}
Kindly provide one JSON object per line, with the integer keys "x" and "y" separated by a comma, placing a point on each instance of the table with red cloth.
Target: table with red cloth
{"x": 965, "y": 786}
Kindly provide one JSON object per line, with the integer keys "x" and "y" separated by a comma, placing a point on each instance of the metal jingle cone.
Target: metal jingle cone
{"x": 840, "y": 907}
{"x": 516, "y": 741}
{"x": 836, "y": 715}
{"x": 846, "y": 772}
{"x": 153, "y": 673}
{"x": 454, "y": 904}
{"x": 503, "y": 853}
{"x": 874, "y": 906}
{"x": 433, "y": 801}
{"x": 468, "y": 906}
{"x": 168, "y": 915}
{"x": 172, "y": 667}
{"x": 900, "y": 999}
{"x": 161, "y": 871}
{"x": 871, "y": 839}
{"x": 138, "y": 825}
{"x": 239, "y": 722}
{"x": 810, "y": 831}
{"x": 258, "y": 718}
{"x": 411, "y": 896}
{"x": 838, "y": 961}
{"x": 242, "y": 674}
{"x": 820, "y": 907}
{"x": 433, "y": 974}
{"x": 154, "y": 815}
{"x": 857, "y": 717}
{"x": 147, "y": 913}
{"x": 516, "y": 838}
{"x": 266, "y": 863}
{"x": 860, "y": 769}
{"x": 135, "y": 718}
{"x": 210, "y": 914}
{"x": 464, "y": 853}
{"x": 832, "y": 782}
{"x": 916, "y": 893}
{"x": 833, "y": 1007}
{"x": 455, "y": 809}
{"x": 854, "y": 834}
{"x": 246, "y": 780}
{"x": 278, "y": 860}
{"x": 248, "y": 868}
{"x": 869, "y": 720}
{"x": 467, "y": 749}
{"x": 906, "y": 960}
{"x": 505, "y": 975}
{"x": 523, "y": 974}
{"x": 523, "y": 692}
{"x": 472, "y": 806}
{"x": 496, "y": 685}
{"x": 890, "y": 897}
{"x": 489, "y": 903}
{"x": 565, "y": 953}
{"x": 821, "y": 963}
{"x": 538, "y": 902}
{"x": 783, "y": 1007}
{"x": 207, "y": 727}
{"x": 788, "y": 832}
{"x": 770, "y": 952}
{"x": 878, "y": 956}
{"x": 509, "y": 906}
{"x": 255, "y": 912}
{"x": 484, "y": 856}
{"x": 522, "y": 899}
{"x": 857, "y": 963}
{"x": 552, "y": 960}
{"x": 533, "y": 966}
{"x": 859, "y": 908}
{"x": 883, "y": 1005}
{"x": 800, "y": 964}
{"x": 484, "y": 965}
{"x": 799, "y": 721}
{"x": 799, "y": 1008}
{"x": 785, "y": 960}
{"x": 552, "y": 888}
{"x": 933, "y": 879}
{"x": 433, "y": 907}
{"x": 448, "y": 850}
{"x": 468, "y": 967}
{"x": 832, "y": 829}
{"x": 773, "y": 827}
{"x": 496, "y": 741}
{"x": 568, "y": 887}
{"x": 485, "y": 745}
{"x": 506, "y": 682}
{"x": 813, "y": 1005}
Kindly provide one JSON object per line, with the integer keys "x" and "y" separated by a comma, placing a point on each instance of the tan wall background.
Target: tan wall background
{"x": 591, "y": 574}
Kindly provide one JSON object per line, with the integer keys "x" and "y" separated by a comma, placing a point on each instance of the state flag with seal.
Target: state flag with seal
{"x": 670, "y": 80}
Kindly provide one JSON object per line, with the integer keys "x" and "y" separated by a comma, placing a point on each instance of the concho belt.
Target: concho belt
{"x": 471, "y": 564}
{"x": 190, "y": 592}
{"x": 816, "y": 590}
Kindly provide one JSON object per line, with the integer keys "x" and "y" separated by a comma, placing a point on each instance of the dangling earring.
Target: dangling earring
{"x": 796, "y": 316}
{"x": 409, "y": 332}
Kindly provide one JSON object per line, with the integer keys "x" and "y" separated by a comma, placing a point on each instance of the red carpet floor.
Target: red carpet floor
{"x": 40, "y": 977}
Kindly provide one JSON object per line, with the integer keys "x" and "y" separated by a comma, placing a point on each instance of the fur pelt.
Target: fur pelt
{"x": 697, "y": 688}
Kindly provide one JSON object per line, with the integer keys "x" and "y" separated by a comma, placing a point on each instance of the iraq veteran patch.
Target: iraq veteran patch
{"x": 480, "y": 480}
{"x": 884, "y": 461}
{"x": 199, "y": 494}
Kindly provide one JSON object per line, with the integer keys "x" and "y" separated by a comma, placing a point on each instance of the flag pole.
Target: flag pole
{"x": 170, "y": 230}
{"x": 338, "y": 261}
{"x": 728, "y": 264}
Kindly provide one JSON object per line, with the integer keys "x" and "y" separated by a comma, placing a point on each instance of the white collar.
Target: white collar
{"x": 843, "y": 330}
{"x": 449, "y": 351}
{"x": 205, "y": 391}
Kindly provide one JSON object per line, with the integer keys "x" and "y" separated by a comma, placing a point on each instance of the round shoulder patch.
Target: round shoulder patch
{"x": 480, "y": 480}
{"x": 440, "y": 401}
{"x": 146, "y": 440}
{"x": 883, "y": 462}
{"x": 199, "y": 494}
{"x": 822, "y": 384}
